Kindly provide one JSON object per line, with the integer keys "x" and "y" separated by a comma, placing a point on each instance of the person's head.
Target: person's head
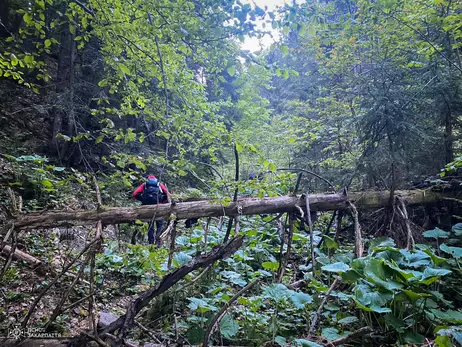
{"x": 151, "y": 177}
{"x": 151, "y": 180}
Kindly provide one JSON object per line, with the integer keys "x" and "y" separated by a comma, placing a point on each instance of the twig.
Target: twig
{"x": 91, "y": 302}
{"x": 57, "y": 310}
{"x": 310, "y": 224}
{"x": 147, "y": 331}
{"x": 7, "y": 237}
{"x": 236, "y": 179}
{"x": 126, "y": 320}
{"x": 359, "y": 249}
{"x": 10, "y": 257}
{"x": 172, "y": 245}
{"x": 206, "y": 232}
{"x": 282, "y": 236}
{"x": 202, "y": 274}
{"x": 216, "y": 319}
{"x": 318, "y": 313}
{"x": 283, "y": 264}
{"x": 75, "y": 303}
{"x": 403, "y": 212}
{"x": 313, "y": 174}
{"x": 52, "y": 283}
{"x": 353, "y": 335}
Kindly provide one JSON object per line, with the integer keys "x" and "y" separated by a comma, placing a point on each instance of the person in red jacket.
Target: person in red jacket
{"x": 152, "y": 192}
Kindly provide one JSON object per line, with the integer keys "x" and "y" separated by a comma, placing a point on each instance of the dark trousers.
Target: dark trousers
{"x": 154, "y": 237}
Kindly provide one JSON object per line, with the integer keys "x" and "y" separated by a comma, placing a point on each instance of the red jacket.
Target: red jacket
{"x": 162, "y": 186}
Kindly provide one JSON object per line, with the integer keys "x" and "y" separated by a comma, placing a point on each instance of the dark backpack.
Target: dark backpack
{"x": 152, "y": 193}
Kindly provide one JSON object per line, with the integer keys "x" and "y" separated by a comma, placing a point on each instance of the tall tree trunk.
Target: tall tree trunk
{"x": 448, "y": 137}
{"x": 64, "y": 115}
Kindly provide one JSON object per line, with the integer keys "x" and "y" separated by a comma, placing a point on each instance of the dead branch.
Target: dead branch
{"x": 313, "y": 174}
{"x": 345, "y": 339}
{"x": 359, "y": 245}
{"x": 147, "y": 331}
{"x": 282, "y": 237}
{"x": 172, "y": 244}
{"x": 10, "y": 256}
{"x": 314, "y": 321}
{"x": 310, "y": 224}
{"x": 403, "y": 213}
{"x": 216, "y": 319}
{"x": 166, "y": 283}
{"x": 52, "y": 283}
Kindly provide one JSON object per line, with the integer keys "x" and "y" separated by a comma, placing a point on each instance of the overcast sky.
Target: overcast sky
{"x": 253, "y": 44}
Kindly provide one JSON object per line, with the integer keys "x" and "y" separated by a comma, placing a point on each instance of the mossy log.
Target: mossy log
{"x": 198, "y": 209}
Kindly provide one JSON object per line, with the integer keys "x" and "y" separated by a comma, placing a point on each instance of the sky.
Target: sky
{"x": 254, "y": 44}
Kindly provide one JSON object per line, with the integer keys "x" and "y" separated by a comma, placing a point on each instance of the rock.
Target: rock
{"x": 105, "y": 319}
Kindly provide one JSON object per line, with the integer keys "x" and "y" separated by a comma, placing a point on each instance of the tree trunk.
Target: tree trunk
{"x": 198, "y": 209}
{"x": 64, "y": 110}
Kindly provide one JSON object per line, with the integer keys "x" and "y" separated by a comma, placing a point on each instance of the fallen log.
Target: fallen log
{"x": 198, "y": 209}
{"x": 34, "y": 262}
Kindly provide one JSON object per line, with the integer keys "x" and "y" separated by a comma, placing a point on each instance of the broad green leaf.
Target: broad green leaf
{"x": 281, "y": 341}
{"x": 47, "y": 183}
{"x": 330, "y": 334}
{"x": 451, "y": 316}
{"x": 181, "y": 259}
{"x": 436, "y": 233}
{"x": 380, "y": 242}
{"x": 348, "y": 320}
{"x": 330, "y": 242}
{"x": 272, "y": 167}
{"x": 238, "y": 147}
{"x": 414, "y": 338}
{"x": 228, "y": 326}
{"x": 200, "y": 305}
{"x": 415, "y": 296}
{"x": 456, "y": 252}
{"x": 415, "y": 259}
{"x": 336, "y": 267}
{"x": 276, "y": 292}
{"x": 443, "y": 341}
{"x": 376, "y": 272}
{"x": 47, "y": 43}
{"x": 395, "y": 322}
{"x": 271, "y": 265}
{"x": 299, "y": 299}
{"x": 457, "y": 229}
{"x": 306, "y": 343}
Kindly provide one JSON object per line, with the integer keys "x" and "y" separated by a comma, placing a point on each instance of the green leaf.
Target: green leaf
{"x": 238, "y": 147}
{"x": 281, "y": 341}
{"x": 348, "y": 320}
{"x": 330, "y": 242}
{"x": 457, "y": 229}
{"x": 443, "y": 341}
{"x": 306, "y": 343}
{"x": 47, "y": 183}
{"x": 336, "y": 267}
{"x": 47, "y": 43}
{"x": 456, "y": 252}
{"x": 124, "y": 69}
{"x": 299, "y": 299}
{"x": 414, "y": 338}
{"x": 395, "y": 322}
{"x": 277, "y": 292}
{"x": 436, "y": 233}
{"x": 271, "y": 265}
{"x": 27, "y": 17}
{"x": 330, "y": 334}
{"x": 380, "y": 275}
{"x": 415, "y": 296}
{"x": 451, "y": 316}
{"x": 200, "y": 305}
{"x": 381, "y": 242}
{"x": 228, "y": 326}
{"x": 181, "y": 259}
{"x": 284, "y": 49}
{"x": 231, "y": 70}
{"x": 272, "y": 167}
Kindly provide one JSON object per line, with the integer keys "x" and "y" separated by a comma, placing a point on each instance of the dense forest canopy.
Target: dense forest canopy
{"x": 354, "y": 104}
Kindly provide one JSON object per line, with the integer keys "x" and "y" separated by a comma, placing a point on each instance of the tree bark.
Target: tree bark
{"x": 198, "y": 209}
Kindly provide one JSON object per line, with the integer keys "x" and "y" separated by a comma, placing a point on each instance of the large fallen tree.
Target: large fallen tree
{"x": 198, "y": 209}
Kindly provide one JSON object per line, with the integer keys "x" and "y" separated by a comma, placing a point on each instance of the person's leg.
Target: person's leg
{"x": 151, "y": 233}
{"x": 159, "y": 226}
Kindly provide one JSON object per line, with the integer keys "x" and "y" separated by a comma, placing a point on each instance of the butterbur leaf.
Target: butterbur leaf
{"x": 436, "y": 233}
{"x": 276, "y": 291}
{"x": 330, "y": 334}
{"x": 451, "y": 316}
{"x": 348, "y": 320}
{"x": 300, "y": 299}
{"x": 456, "y": 252}
{"x": 414, "y": 338}
{"x": 306, "y": 343}
{"x": 443, "y": 341}
{"x": 457, "y": 229}
{"x": 336, "y": 267}
{"x": 281, "y": 341}
{"x": 228, "y": 326}
{"x": 181, "y": 259}
{"x": 271, "y": 265}
{"x": 330, "y": 242}
{"x": 381, "y": 242}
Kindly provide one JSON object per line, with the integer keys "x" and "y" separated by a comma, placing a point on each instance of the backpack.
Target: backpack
{"x": 152, "y": 193}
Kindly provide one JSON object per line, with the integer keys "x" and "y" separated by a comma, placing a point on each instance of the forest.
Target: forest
{"x": 230, "y": 173}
